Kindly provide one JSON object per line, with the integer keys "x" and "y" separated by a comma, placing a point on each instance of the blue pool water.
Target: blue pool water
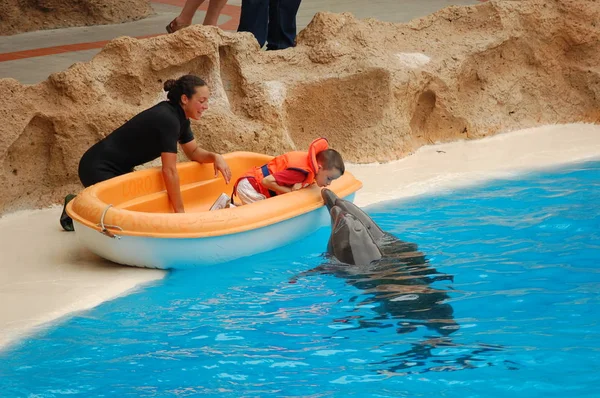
{"x": 520, "y": 318}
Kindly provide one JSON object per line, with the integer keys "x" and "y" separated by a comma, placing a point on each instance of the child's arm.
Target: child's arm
{"x": 270, "y": 183}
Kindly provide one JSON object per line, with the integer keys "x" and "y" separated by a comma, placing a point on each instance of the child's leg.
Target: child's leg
{"x": 247, "y": 193}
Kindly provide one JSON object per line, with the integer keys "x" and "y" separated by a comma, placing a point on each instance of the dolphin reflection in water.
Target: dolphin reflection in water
{"x": 395, "y": 281}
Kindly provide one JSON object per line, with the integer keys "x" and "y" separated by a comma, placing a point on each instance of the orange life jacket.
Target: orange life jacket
{"x": 302, "y": 161}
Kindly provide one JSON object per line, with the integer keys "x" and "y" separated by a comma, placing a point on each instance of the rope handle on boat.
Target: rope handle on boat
{"x": 104, "y": 228}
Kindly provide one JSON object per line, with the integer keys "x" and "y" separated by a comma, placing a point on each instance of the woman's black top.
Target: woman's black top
{"x": 141, "y": 139}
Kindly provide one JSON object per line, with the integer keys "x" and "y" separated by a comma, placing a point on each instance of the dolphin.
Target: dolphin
{"x": 388, "y": 244}
{"x": 395, "y": 279}
{"x": 350, "y": 241}
{"x": 394, "y": 274}
{"x": 332, "y": 200}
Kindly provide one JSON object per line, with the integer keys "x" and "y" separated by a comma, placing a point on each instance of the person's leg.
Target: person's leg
{"x": 247, "y": 194}
{"x": 90, "y": 173}
{"x": 214, "y": 10}
{"x": 282, "y": 24}
{"x": 254, "y": 19}
{"x": 185, "y": 17}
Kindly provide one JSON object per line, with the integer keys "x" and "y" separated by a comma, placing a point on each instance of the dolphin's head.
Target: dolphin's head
{"x": 329, "y": 197}
{"x": 350, "y": 241}
{"x": 331, "y": 200}
{"x": 336, "y": 216}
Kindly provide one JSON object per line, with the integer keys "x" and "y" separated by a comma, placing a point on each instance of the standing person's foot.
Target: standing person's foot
{"x": 174, "y": 26}
{"x": 65, "y": 221}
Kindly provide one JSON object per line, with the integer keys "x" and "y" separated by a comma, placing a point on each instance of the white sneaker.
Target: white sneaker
{"x": 221, "y": 202}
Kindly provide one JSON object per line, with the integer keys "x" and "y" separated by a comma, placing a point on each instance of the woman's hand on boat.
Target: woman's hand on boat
{"x": 197, "y": 154}
{"x": 222, "y": 167}
{"x": 297, "y": 186}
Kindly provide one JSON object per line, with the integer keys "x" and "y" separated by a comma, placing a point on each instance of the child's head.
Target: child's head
{"x": 331, "y": 167}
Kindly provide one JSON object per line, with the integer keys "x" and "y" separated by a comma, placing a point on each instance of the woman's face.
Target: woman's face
{"x": 195, "y": 106}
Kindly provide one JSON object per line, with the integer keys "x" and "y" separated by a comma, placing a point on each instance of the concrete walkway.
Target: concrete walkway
{"x": 31, "y": 57}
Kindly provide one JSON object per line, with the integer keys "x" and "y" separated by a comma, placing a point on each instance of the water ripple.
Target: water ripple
{"x": 499, "y": 298}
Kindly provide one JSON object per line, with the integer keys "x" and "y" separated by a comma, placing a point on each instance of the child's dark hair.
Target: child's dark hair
{"x": 331, "y": 159}
{"x": 184, "y": 85}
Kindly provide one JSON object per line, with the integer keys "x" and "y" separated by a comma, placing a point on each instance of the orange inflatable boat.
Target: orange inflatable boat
{"x": 129, "y": 220}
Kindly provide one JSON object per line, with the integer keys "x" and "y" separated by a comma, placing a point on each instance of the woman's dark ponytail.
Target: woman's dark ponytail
{"x": 169, "y": 84}
{"x": 184, "y": 85}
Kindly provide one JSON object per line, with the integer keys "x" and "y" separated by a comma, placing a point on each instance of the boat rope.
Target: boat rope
{"x": 104, "y": 227}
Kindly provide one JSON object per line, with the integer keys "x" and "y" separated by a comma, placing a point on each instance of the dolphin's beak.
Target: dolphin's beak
{"x": 329, "y": 197}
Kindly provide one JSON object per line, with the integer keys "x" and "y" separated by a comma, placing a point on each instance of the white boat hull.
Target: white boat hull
{"x": 182, "y": 253}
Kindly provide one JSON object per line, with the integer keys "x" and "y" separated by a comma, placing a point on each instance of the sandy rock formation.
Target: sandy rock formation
{"x": 26, "y": 15}
{"x": 377, "y": 90}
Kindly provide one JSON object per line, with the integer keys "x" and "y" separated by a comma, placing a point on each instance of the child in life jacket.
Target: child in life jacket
{"x": 290, "y": 172}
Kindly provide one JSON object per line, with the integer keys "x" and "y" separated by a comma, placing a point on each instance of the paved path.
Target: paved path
{"x": 31, "y": 57}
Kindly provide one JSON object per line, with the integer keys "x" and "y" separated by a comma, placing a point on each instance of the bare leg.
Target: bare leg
{"x": 214, "y": 10}
{"x": 189, "y": 10}
{"x": 187, "y": 14}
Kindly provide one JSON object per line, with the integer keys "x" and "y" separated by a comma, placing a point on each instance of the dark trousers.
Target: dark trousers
{"x": 271, "y": 21}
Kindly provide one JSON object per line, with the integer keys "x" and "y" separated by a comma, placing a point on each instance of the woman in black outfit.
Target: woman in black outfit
{"x": 154, "y": 132}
